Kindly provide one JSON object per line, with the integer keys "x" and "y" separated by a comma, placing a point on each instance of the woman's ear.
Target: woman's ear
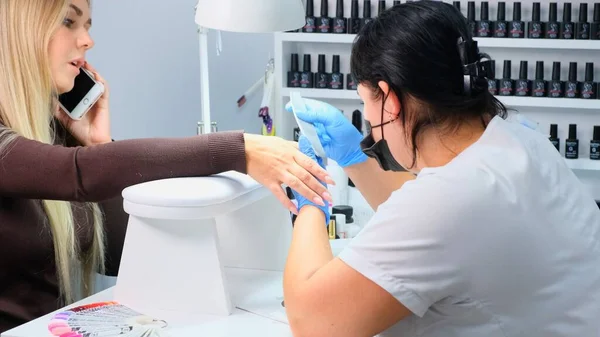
{"x": 392, "y": 102}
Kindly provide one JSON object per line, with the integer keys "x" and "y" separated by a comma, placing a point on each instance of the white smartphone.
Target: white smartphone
{"x": 86, "y": 92}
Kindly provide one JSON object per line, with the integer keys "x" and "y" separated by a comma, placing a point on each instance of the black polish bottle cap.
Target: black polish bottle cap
{"x": 310, "y": 8}
{"x": 336, "y": 64}
{"x": 567, "y": 12}
{"x": 324, "y": 8}
{"x": 307, "y": 64}
{"x": 354, "y": 9}
{"x": 535, "y": 16}
{"x": 397, "y": 2}
{"x": 295, "y": 63}
{"x": 339, "y": 9}
{"x": 517, "y": 11}
{"x": 539, "y": 70}
{"x": 553, "y": 16}
{"x": 321, "y": 66}
{"x": 367, "y": 9}
{"x": 502, "y": 11}
{"x": 596, "y": 132}
{"x": 471, "y": 11}
{"x": 381, "y": 6}
{"x": 572, "y": 131}
{"x": 493, "y": 67}
{"x": 597, "y": 12}
{"x": 357, "y": 120}
{"x": 589, "y": 72}
{"x": 556, "y": 71}
{"x": 485, "y": 11}
{"x": 523, "y": 70}
{"x": 507, "y": 69}
{"x": 456, "y": 4}
{"x": 553, "y": 131}
{"x": 573, "y": 72}
{"x": 583, "y": 9}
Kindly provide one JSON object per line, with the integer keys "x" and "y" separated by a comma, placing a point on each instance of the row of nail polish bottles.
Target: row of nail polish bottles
{"x": 539, "y": 87}
{"x": 321, "y": 79}
{"x": 572, "y": 143}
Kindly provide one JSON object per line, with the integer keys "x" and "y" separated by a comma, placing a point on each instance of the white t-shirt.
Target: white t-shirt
{"x": 502, "y": 241}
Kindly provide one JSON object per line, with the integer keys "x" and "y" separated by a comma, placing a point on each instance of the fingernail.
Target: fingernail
{"x": 329, "y": 180}
{"x": 327, "y": 196}
{"x": 294, "y": 210}
{"x": 318, "y": 201}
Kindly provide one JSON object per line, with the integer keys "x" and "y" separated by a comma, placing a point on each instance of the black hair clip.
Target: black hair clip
{"x": 474, "y": 69}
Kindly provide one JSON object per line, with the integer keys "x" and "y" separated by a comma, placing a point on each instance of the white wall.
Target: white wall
{"x": 148, "y": 52}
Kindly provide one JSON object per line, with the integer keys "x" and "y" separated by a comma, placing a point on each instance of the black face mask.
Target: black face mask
{"x": 379, "y": 150}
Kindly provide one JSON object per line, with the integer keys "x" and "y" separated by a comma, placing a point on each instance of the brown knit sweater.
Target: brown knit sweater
{"x": 31, "y": 171}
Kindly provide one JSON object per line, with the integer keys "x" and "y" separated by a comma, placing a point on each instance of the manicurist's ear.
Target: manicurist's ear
{"x": 392, "y": 102}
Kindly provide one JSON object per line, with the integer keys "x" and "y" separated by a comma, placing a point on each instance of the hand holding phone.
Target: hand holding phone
{"x": 85, "y": 111}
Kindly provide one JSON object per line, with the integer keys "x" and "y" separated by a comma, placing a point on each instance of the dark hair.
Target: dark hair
{"x": 413, "y": 47}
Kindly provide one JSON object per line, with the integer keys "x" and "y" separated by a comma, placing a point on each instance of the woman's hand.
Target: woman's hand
{"x": 94, "y": 127}
{"x": 273, "y": 161}
{"x": 339, "y": 137}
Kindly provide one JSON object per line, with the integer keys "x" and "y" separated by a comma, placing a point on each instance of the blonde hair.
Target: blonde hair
{"x": 27, "y": 99}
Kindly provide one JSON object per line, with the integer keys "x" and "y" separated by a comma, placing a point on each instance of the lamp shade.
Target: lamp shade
{"x": 251, "y": 16}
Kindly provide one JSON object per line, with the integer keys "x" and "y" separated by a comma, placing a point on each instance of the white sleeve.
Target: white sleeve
{"x": 409, "y": 247}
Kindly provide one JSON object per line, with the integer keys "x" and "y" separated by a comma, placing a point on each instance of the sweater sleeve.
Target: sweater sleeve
{"x": 35, "y": 170}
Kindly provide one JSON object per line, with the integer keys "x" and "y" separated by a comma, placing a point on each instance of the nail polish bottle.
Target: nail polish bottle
{"x": 567, "y": 27}
{"x": 351, "y": 83}
{"x": 493, "y": 82}
{"x": 311, "y": 21}
{"x": 501, "y": 25}
{"x": 572, "y": 86}
{"x": 484, "y": 25}
{"x": 366, "y": 19}
{"x": 572, "y": 143}
{"x": 553, "y": 26}
{"x": 517, "y": 27}
{"x": 456, "y": 4}
{"x": 582, "y": 28}
{"x": 539, "y": 84}
{"x": 554, "y": 136}
{"x": 324, "y": 22}
{"x": 507, "y": 85}
{"x": 397, "y": 2}
{"x": 381, "y": 8}
{"x": 471, "y": 18}
{"x": 589, "y": 89}
{"x": 339, "y": 22}
{"x": 595, "y": 144}
{"x": 595, "y": 29}
{"x": 535, "y": 28}
{"x": 321, "y": 77}
{"x": 354, "y": 21}
{"x": 556, "y": 87}
{"x": 294, "y": 74}
{"x": 336, "y": 79}
{"x": 523, "y": 85}
{"x": 307, "y": 77}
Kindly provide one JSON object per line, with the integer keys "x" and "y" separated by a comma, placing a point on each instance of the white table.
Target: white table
{"x": 256, "y": 294}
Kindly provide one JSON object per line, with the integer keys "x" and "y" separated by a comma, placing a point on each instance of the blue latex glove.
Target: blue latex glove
{"x": 306, "y": 148}
{"x": 339, "y": 137}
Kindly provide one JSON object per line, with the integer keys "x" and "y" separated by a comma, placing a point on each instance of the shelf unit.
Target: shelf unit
{"x": 545, "y": 111}
{"x": 482, "y": 42}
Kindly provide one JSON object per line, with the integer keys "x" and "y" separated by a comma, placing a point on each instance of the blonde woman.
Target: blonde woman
{"x": 58, "y": 175}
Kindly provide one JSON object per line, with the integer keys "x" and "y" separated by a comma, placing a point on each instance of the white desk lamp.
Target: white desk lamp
{"x": 244, "y": 16}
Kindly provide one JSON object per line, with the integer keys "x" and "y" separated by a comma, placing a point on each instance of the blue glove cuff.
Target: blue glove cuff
{"x": 356, "y": 158}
